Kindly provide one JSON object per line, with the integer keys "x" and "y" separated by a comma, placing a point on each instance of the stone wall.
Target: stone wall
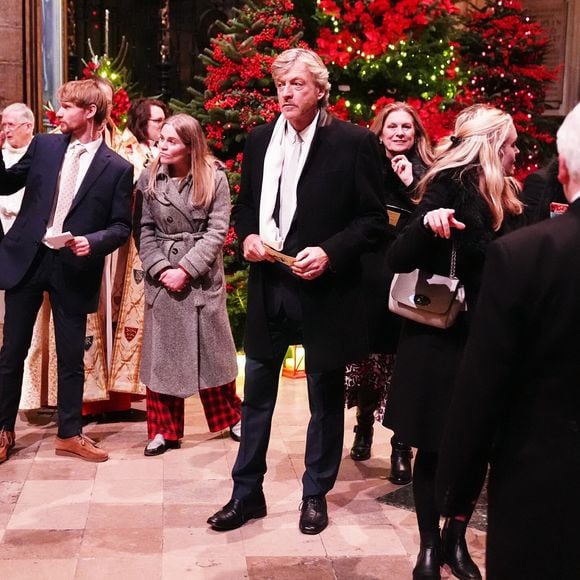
{"x": 12, "y": 84}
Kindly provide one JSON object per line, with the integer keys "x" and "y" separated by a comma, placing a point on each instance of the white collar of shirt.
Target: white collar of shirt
{"x": 575, "y": 197}
{"x": 86, "y": 159}
{"x": 14, "y": 150}
{"x": 306, "y": 135}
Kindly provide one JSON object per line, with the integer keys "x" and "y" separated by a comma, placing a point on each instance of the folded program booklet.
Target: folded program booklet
{"x": 279, "y": 256}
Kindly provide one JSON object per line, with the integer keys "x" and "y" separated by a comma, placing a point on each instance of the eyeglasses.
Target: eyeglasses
{"x": 157, "y": 121}
{"x": 11, "y": 126}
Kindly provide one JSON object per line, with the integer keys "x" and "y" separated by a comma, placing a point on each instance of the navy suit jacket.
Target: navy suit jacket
{"x": 101, "y": 211}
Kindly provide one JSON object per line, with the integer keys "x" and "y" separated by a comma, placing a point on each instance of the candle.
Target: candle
{"x": 106, "y": 31}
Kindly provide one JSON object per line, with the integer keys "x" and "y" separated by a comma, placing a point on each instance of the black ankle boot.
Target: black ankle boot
{"x": 365, "y": 419}
{"x": 455, "y": 553}
{"x": 363, "y": 440}
{"x": 429, "y": 561}
{"x": 401, "y": 455}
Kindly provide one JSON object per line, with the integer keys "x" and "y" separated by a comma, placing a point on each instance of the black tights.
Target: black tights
{"x": 424, "y": 490}
{"x": 424, "y": 472}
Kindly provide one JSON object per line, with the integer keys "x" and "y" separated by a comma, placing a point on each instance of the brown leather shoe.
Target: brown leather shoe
{"x": 7, "y": 442}
{"x": 80, "y": 446}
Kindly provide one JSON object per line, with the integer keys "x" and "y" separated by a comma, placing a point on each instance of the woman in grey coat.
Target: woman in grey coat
{"x": 187, "y": 342}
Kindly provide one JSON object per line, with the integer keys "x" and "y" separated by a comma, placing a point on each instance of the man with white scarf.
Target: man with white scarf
{"x": 311, "y": 189}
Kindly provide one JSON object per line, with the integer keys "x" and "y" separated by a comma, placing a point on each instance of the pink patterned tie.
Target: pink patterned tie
{"x": 66, "y": 192}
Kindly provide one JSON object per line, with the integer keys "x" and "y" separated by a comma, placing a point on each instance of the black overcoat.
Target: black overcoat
{"x": 427, "y": 357}
{"x": 517, "y": 403}
{"x": 340, "y": 209}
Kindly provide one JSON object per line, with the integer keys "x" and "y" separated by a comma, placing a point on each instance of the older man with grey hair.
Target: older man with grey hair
{"x": 517, "y": 399}
{"x": 16, "y": 127}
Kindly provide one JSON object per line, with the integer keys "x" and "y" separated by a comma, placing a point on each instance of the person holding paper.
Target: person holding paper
{"x": 73, "y": 183}
{"x": 311, "y": 188}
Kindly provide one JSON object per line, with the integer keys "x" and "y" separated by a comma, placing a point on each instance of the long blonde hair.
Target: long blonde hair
{"x": 422, "y": 143}
{"x": 203, "y": 163}
{"x": 480, "y": 133}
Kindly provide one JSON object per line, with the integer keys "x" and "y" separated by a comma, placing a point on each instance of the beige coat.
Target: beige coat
{"x": 187, "y": 341}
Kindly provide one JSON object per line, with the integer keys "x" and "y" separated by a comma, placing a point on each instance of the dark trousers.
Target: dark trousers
{"x": 325, "y": 433}
{"x": 22, "y": 305}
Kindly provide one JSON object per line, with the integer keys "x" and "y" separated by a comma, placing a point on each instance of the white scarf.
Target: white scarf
{"x": 273, "y": 164}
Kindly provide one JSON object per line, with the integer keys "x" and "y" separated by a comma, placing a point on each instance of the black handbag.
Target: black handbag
{"x": 427, "y": 298}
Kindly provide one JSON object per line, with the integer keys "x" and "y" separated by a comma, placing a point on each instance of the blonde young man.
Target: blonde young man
{"x": 76, "y": 209}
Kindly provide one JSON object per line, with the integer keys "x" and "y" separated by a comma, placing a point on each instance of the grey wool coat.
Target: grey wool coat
{"x": 187, "y": 340}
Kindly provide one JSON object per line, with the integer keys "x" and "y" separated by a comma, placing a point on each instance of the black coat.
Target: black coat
{"x": 427, "y": 357}
{"x": 517, "y": 403}
{"x": 540, "y": 189}
{"x": 339, "y": 208}
{"x": 101, "y": 211}
{"x": 384, "y": 326}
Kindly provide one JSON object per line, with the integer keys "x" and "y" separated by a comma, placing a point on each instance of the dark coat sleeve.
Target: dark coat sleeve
{"x": 117, "y": 231}
{"x": 416, "y": 246}
{"x": 14, "y": 178}
{"x": 245, "y": 213}
{"x": 367, "y": 228}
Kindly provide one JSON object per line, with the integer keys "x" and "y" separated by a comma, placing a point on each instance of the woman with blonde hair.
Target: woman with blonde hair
{"x": 466, "y": 199}
{"x": 187, "y": 341}
{"x": 407, "y": 154}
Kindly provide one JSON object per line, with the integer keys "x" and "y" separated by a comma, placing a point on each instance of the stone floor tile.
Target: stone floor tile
{"x": 49, "y": 516}
{"x": 136, "y": 491}
{"x": 283, "y": 540}
{"x": 372, "y": 568}
{"x": 121, "y": 542}
{"x": 127, "y": 568}
{"x": 33, "y": 569}
{"x": 36, "y": 544}
{"x": 56, "y": 468}
{"x": 362, "y": 540}
{"x": 286, "y": 568}
{"x": 180, "y": 542}
{"x": 117, "y": 515}
{"x": 55, "y": 491}
{"x": 15, "y": 469}
{"x": 207, "y": 566}
{"x": 129, "y": 469}
{"x": 188, "y": 515}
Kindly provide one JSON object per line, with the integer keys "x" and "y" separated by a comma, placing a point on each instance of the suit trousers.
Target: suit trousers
{"x": 324, "y": 439}
{"x": 22, "y": 305}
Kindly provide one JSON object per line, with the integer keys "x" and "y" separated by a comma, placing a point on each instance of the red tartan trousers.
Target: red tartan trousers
{"x": 165, "y": 413}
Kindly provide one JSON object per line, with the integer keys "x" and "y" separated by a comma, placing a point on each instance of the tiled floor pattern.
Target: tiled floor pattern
{"x": 138, "y": 518}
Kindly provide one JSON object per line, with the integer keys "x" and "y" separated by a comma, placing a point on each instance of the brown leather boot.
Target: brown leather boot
{"x": 80, "y": 446}
{"x": 7, "y": 442}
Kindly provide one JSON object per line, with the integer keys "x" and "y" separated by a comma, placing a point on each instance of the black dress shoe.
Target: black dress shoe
{"x": 401, "y": 455}
{"x": 160, "y": 449}
{"x": 314, "y": 515}
{"x": 237, "y": 512}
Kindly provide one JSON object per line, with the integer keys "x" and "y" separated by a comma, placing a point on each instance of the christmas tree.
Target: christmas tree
{"x": 502, "y": 48}
{"x": 438, "y": 60}
{"x": 379, "y": 51}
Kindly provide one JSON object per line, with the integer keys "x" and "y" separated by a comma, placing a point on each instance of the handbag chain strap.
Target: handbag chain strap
{"x": 453, "y": 261}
